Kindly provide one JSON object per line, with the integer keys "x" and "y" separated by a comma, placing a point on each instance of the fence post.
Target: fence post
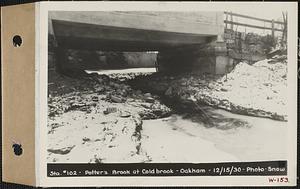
{"x": 231, "y": 19}
{"x": 273, "y": 28}
{"x": 226, "y": 21}
{"x": 284, "y": 31}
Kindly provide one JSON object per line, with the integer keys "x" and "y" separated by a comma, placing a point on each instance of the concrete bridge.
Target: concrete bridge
{"x": 186, "y": 41}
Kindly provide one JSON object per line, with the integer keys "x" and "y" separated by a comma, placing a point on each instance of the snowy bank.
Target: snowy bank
{"x": 257, "y": 90}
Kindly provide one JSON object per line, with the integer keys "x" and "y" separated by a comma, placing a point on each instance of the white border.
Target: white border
{"x": 291, "y": 7}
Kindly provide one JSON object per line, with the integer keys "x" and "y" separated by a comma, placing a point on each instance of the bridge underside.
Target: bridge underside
{"x": 110, "y": 38}
{"x": 183, "y": 45}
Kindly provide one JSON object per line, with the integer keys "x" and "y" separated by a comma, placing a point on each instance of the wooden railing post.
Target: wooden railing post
{"x": 231, "y": 19}
{"x": 226, "y": 21}
{"x": 273, "y": 32}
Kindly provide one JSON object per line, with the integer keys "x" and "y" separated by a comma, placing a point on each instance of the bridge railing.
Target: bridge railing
{"x": 231, "y": 23}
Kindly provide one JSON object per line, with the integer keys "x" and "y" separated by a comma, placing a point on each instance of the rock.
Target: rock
{"x": 267, "y": 84}
{"x": 119, "y": 91}
{"x": 116, "y": 99}
{"x": 62, "y": 151}
{"x": 115, "y": 85}
{"x": 210, "y": 86}
{"x": 95, "y": 99}
{"x": 96, "y": 159}
{"x": 159, "y": 113}
{"x": 146, "y": 105}
{"x": 138, "y": 92}
{"x": 223, "y": 89}
{"x": 147, "y": 95}
{"x": 275, "y": 53}
{"x": 110, "y": 110}
{"x": 125, "y": 114}
{"x": 183, "y": 83}
{"x": 150, "y": 100}
{"x": 78, "y": 105}
{"x": 124, "y": 93}
{"x": 85, "y": 139}
{"x": 99, "y": 90}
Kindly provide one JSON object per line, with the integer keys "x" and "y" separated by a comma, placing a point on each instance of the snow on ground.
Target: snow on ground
{"x": 101, "y": 120}
{"x": 257, "y": 90}
{"x": 93, "y": 138}
{"x": 176, "y": 139}
{"x": 260, "y": 86}
{"x": 98, "y": 119}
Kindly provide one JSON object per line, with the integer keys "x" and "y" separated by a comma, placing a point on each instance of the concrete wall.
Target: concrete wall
{"x": 209, "y": 58}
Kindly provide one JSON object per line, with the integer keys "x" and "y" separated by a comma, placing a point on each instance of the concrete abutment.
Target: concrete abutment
{"x": 208, "y": 58}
